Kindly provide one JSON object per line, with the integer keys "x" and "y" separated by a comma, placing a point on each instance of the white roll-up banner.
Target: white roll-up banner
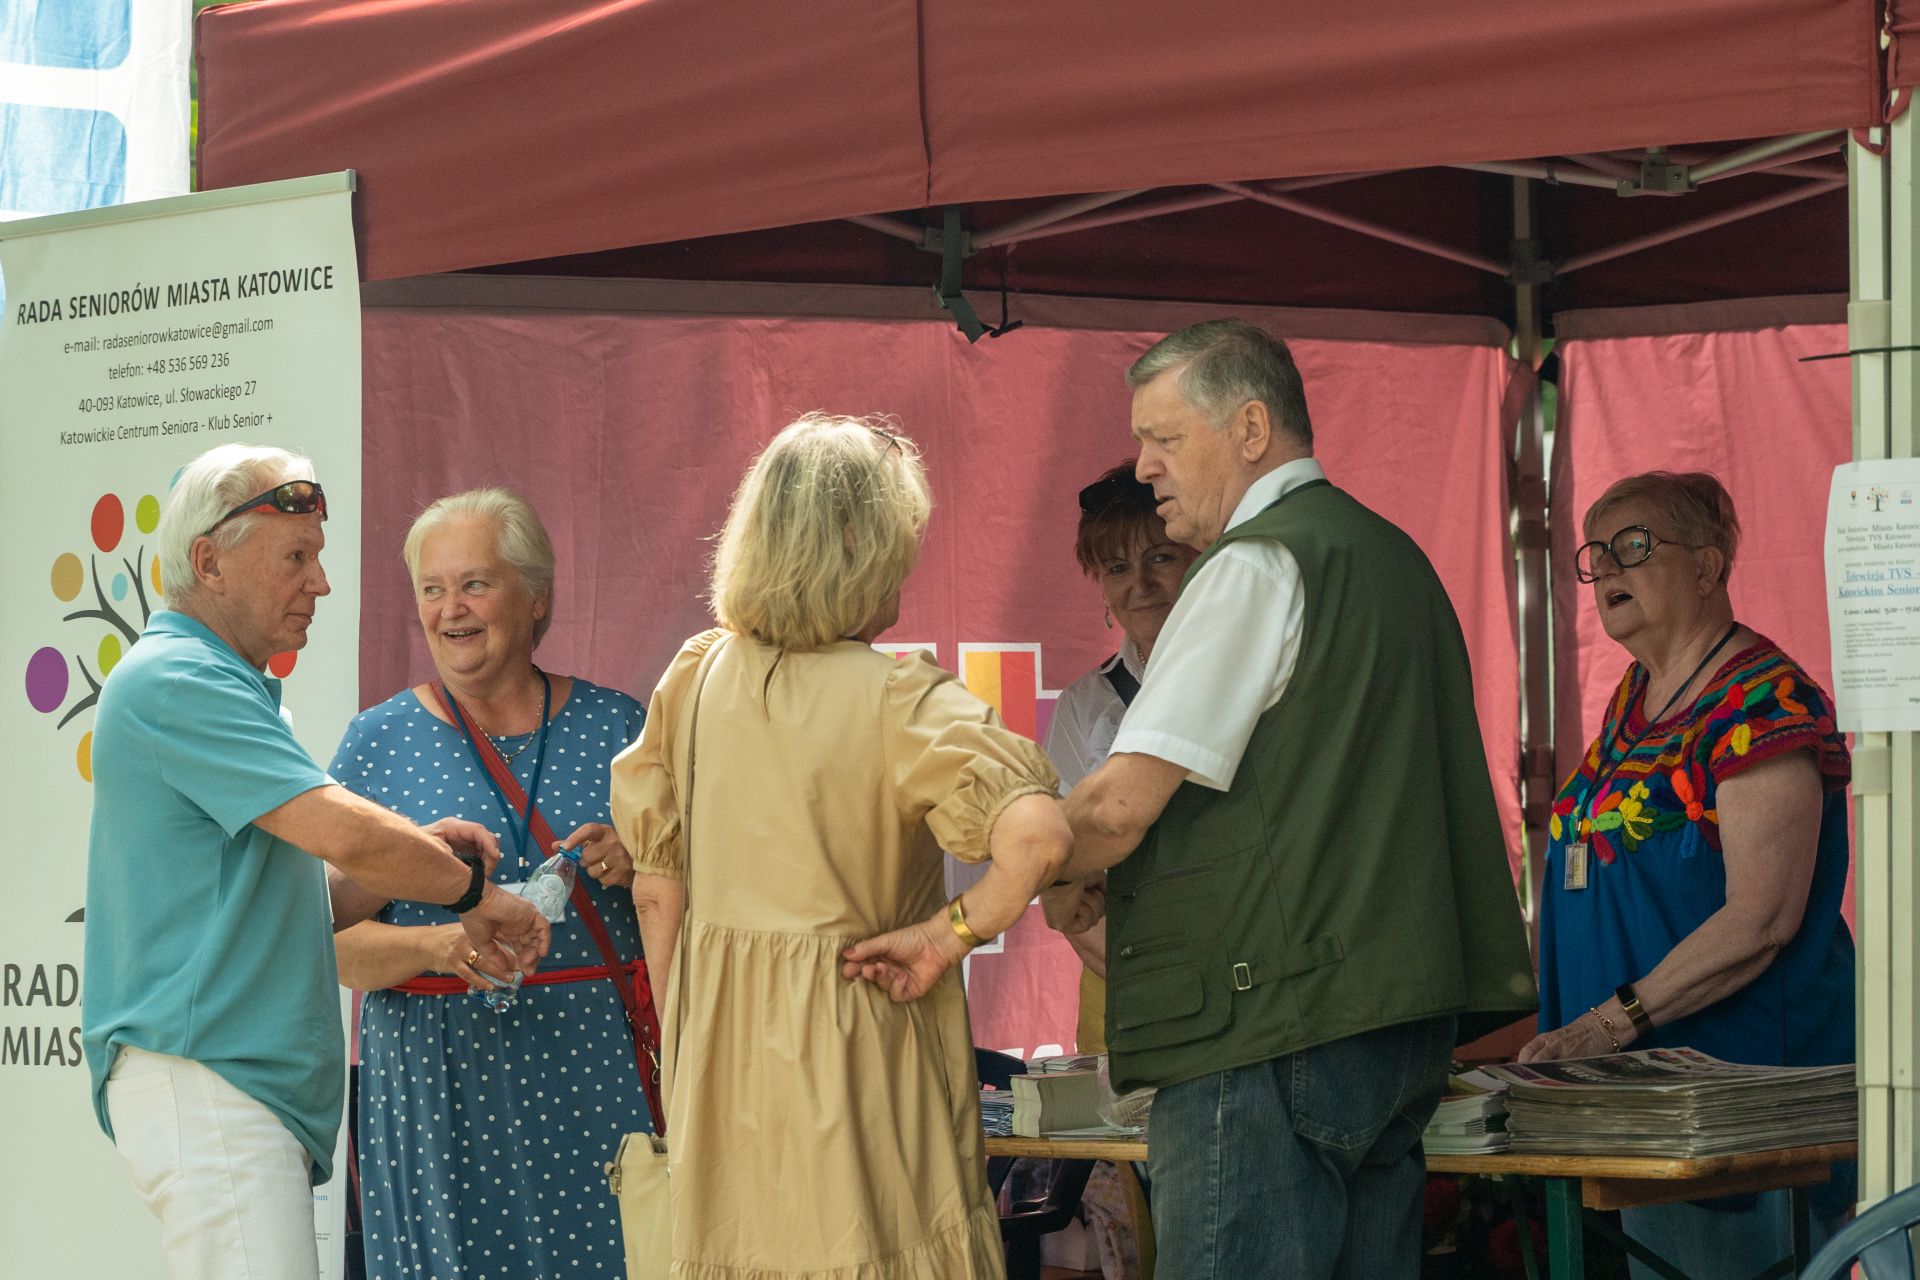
{"x": 133, "y": 339}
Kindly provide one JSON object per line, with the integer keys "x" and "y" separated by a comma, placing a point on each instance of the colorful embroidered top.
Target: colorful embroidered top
{"x": 1645, "y": 799}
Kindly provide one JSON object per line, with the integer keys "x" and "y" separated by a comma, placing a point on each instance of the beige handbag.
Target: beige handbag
{"x": 637, "y": 1174}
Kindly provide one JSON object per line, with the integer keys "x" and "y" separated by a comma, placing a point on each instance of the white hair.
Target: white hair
{"x": 210, "y": 486}
{"x": 520, "y": 539}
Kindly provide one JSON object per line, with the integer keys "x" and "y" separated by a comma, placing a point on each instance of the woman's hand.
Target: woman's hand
{"x": 601, "y": 854}
{"x": 907, "y": 962}
{"x": 1584, "y": 1037}
{"x": 448, "y": 948}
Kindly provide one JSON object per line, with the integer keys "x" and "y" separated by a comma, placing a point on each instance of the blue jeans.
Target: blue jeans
{"x": 1303, "y": 1166}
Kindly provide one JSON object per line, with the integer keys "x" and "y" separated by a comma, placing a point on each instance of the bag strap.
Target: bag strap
{"x": 686, "y": 824}
{"x": 636, "y": 998}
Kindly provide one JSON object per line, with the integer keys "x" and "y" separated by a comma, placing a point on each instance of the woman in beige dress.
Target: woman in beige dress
{"x": 822, "y": 1108}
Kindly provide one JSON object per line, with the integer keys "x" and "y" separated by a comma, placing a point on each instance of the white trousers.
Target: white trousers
{"x": 227, "y": 1179}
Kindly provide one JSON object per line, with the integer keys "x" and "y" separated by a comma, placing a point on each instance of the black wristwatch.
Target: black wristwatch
{"x": 476, "y": 885}
{"x": 1630, "y": 1002}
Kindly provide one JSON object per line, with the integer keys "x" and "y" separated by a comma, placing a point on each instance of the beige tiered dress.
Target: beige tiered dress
{"x": 816, "y": 1128}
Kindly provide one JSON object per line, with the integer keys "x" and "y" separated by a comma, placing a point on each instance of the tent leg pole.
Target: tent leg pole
{"x": 1884, "y": 310}
{"x": 1530, "y": 504}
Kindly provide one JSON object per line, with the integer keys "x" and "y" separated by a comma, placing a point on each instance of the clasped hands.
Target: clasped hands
{"x": 906, "y": 962}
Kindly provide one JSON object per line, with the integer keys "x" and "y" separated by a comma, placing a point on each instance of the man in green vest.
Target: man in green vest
{"x": 1308, "y": 901}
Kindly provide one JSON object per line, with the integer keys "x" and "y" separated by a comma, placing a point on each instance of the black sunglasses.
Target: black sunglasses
{"x": 1114, "y": 492}
{"x": 295, "y": 498}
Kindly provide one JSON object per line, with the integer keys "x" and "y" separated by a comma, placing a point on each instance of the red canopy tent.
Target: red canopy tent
{"x": 1511, "y": 161}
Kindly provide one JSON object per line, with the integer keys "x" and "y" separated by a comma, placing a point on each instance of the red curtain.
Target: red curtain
{"x": 1739, "y": 404}
{"x": 628, "y": 432}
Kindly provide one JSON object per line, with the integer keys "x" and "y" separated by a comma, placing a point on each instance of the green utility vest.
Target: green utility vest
{"x": 1355, "y": 875}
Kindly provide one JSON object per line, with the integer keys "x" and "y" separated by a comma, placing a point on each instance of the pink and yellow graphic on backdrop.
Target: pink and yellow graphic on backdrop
{"x": 1007, "y": 677}
{"x": 102, "y": 593}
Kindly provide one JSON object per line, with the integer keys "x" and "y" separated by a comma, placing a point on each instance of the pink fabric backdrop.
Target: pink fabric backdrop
{"x": 629, "y": 432}
{"x": 1738, "y": 404}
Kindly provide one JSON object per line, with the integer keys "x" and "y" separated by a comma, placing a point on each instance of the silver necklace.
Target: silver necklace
{"x": 496, "y": 738}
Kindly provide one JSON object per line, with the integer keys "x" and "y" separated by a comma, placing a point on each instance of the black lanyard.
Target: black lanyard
{"x": 1600, "y": 783}
{"x": 519, "y": 827}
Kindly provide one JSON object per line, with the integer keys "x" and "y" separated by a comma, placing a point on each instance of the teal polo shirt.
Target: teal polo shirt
{"x": 207, "y": 938}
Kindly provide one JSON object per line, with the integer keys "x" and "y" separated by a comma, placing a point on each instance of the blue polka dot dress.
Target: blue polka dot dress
{"x": 481, "y": 1135}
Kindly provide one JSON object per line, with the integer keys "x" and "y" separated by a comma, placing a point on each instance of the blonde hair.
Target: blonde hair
{"x": 822, "y": 532}
{"x": 1691, "y": 507}
{"x": 519, "y": 538}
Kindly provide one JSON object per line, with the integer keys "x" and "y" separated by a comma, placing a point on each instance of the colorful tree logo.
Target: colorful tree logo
{"x": 116, "y": 609}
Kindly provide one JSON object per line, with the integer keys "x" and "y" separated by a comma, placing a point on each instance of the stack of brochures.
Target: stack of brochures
{"x": 1056, "y": 1102}
{"x": 1471, "y": 1119}
{"x": 996, "y": 1113}
{"x": 1678, "y": 1103}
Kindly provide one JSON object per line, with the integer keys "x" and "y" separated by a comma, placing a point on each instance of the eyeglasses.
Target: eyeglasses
{"x": 1111, "y": 492}
{"x": 295, "y": 498}
{"x": 1629, "y": 548}
{"x": 891, "y": 438}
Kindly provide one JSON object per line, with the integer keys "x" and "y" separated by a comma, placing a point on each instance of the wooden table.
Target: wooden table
{"x": 1578, "y": 1188}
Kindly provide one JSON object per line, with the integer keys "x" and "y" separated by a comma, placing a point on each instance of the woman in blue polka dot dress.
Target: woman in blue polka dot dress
{"x": 481, "y": 1135}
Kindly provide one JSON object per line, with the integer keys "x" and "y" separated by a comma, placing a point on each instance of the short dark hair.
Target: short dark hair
{"x": 1225, "y": 363}
{"x": 1114, "y": 510}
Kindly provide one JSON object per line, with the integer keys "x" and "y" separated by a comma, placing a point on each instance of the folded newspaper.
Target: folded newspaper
{"x": 1678, "y": 1103}
{"x": 1471, "y": 1119}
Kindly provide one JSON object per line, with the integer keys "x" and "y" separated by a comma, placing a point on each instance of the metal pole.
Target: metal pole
{"x": 1826, "y": 147}
{"x": 1608, "y": 165}
{"x": 1571, "y": 175}
{"x": 1008, "y": 232}
{"x": 1635, "y": 245}
{"x": 1747, "y": 157}
{"x": 1171, "y": 204}
{"x": 1365, "y": 228}
{"x": 1535, "y": 602}
{"x": 889, "y": 227}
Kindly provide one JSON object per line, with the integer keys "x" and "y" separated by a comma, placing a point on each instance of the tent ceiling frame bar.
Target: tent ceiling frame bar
{"x": 1791, "y": 146}
{"x": 1806, "y": 191}
{"x": 889, "y": 227}
{"x": 1363, "y": 227}
{"x": 1158, "y": 208}
{"x": 1608, "y": 166}
{"x": 1826, "y": 147}
{"x": 1551, "y": 171}
{"x": 1011, "y": 232}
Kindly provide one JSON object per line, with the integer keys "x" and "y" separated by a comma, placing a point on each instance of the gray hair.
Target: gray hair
{"x": 521, "y": 539}
{"x": 208, "y": 487}
{"x": 1225, "y": 363}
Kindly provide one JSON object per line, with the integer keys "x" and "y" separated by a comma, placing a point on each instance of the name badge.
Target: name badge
{"x": 1575, "y": 875}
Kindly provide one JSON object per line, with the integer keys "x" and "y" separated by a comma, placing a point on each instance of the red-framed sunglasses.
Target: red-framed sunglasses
{"x": 295, "y": 498}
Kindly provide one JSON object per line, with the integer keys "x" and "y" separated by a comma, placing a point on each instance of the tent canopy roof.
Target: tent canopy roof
{"x": 730, "y": 138}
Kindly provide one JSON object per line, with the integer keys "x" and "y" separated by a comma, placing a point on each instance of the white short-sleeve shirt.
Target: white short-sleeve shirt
{"x": 1228, "y": 648}
{"x": 1087, "y": 717}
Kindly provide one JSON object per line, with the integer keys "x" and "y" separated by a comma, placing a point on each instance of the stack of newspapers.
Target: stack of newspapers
{"x": 1471, "y": 1119}
{"x": 1678, "y": 1103}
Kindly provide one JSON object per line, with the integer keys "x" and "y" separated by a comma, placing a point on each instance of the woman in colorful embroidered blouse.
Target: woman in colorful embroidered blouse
{"x": 1699, "y": 852}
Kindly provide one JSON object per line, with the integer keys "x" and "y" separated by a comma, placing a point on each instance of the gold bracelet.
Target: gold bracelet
{"x": 1607, "y": 1027}
{"x": 958, "y": 919}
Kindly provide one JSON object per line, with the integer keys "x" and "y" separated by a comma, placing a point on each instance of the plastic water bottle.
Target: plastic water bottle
{"x": 548, "y": 889}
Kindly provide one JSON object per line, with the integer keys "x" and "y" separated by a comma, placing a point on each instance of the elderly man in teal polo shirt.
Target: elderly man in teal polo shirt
{"x": 211, "y": 1022}
{"x": 1309, "y": 896}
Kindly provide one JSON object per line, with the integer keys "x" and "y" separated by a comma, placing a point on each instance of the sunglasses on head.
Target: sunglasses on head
{"x": 295, "y": 498}
{"x": 1112, "y": 492}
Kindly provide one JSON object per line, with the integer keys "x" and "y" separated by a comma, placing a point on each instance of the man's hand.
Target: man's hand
{"x": 1075, "y": 907}
{"x": 907, "y": 962}
{"x": 505, "y": 924}
{"x": 467, "y": 837}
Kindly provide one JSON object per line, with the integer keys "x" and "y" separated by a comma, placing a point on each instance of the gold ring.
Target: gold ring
{"x": 601, "y": 865}
{"x": 473, "y": 959}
